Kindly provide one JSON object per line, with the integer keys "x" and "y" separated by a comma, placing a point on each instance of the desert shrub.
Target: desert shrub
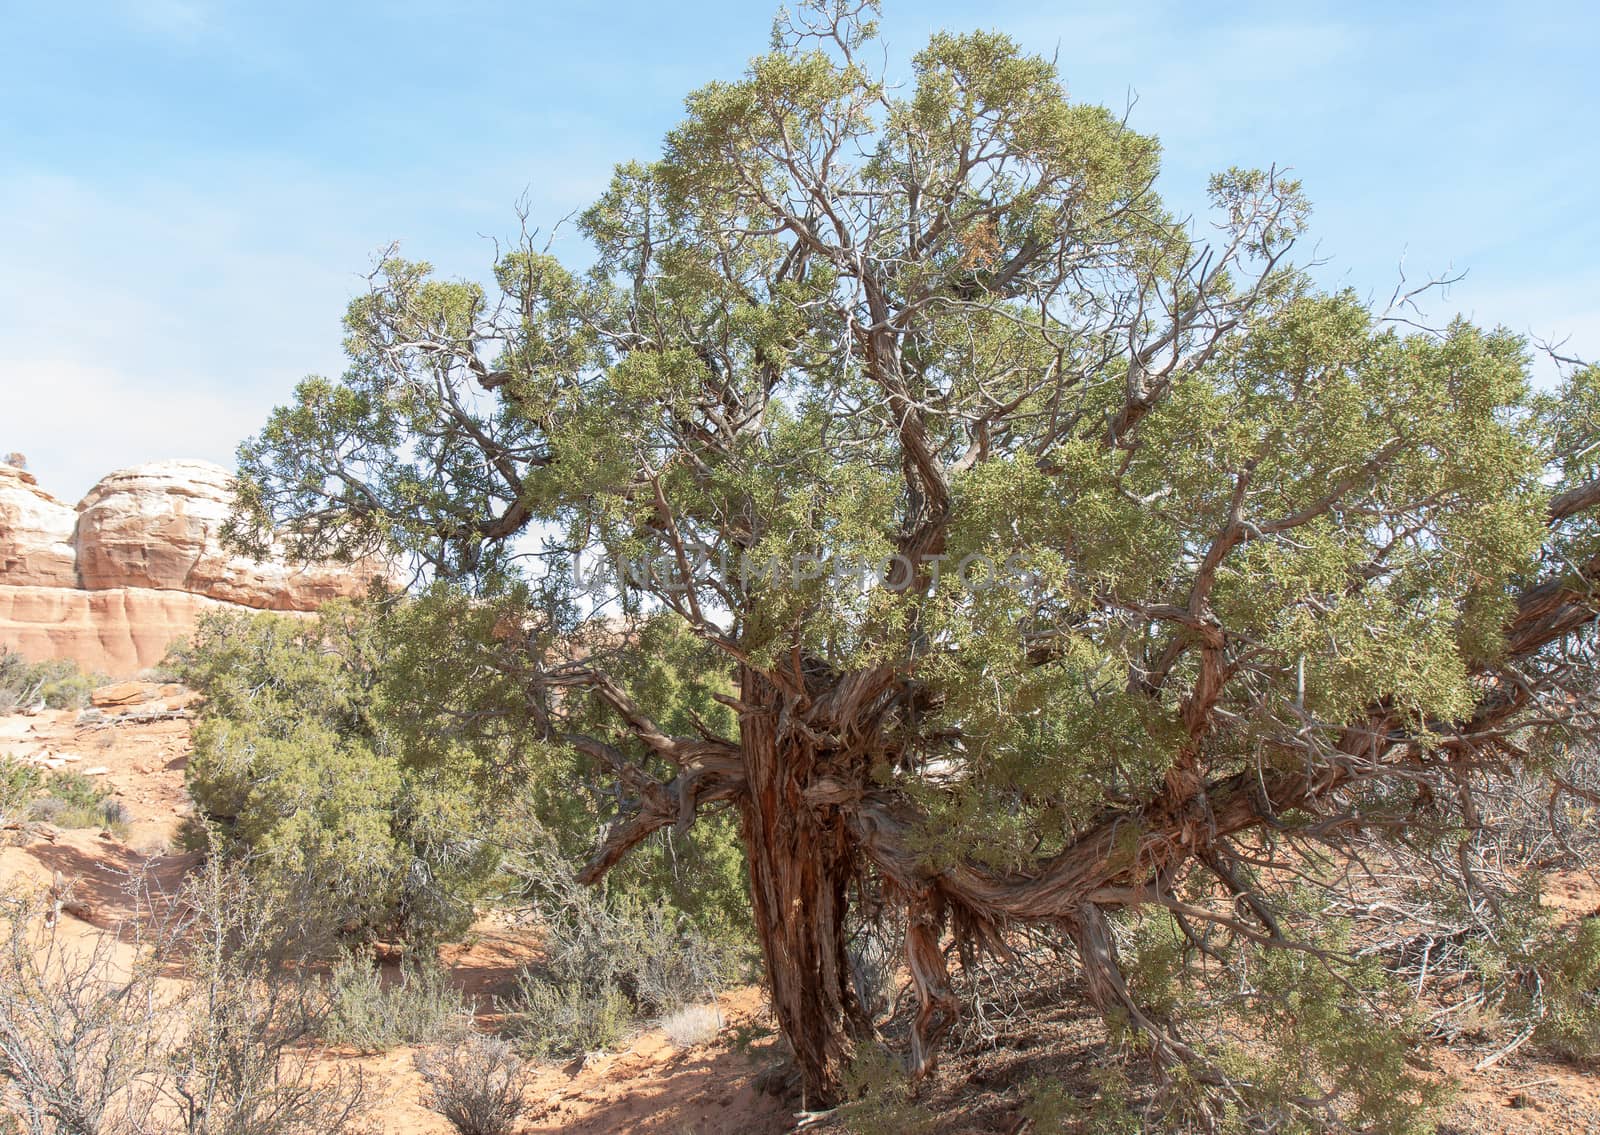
{"x": 239, "y": 1064}
{"x": 692, "y": 1025}
{"x": 455, "y": 694}
{"x": 64, "y": 686}
{"x": 880, "y": 1099}
{"x": 68, "y": 800}
{"x": 303, "y": 804}
{"x": 1052, "y": 1109}
{"x": 476, "y": 1085}
{"x": 74, "y": 789}
{"x": 555, "y": 1017}
{"x": 59, "y": 684}
{"x": 385, "y": 750}
{"x": 19, "y": 784}
{"x": 93, "y": 1043}
{"x": 612, "y": 957}
{"x": 1282, "y": 1029}
{"x": 293, "y": 764}
{"x": 1542, "y": 975}
{"x": 1325, "y": 1034}
{"x": 1569, "y": 965}
{"x": 650, "y": 951}
{"x": 609, "y": 961}
{"x": 366, "y": 1012}
{"x": 78, "y": 1035}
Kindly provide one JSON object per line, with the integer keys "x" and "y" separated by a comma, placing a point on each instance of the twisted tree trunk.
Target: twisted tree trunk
{"x": 801, "y": 860}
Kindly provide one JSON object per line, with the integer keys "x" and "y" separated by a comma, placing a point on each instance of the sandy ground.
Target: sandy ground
{"x": 651, "y": 1085}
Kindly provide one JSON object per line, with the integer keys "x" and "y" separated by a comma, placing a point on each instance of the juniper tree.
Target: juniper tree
{"x": 1173, "y": 552}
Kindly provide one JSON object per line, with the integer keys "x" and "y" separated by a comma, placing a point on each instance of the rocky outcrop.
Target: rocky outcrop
{"x": 112, "y": 584}
{"x": 35, "y": 533}
{"x": 159, "y": 526}
{"x": 118, "y": 632}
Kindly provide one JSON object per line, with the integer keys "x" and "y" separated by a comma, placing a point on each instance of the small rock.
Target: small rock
{"x": 98, "y": 770}
{"x": 119, "y": 693}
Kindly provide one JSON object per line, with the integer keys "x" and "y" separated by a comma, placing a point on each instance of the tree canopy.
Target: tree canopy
{"x": 1173, "y": 560}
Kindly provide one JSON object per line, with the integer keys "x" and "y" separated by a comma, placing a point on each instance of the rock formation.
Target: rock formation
{"x": 35, "y": 533}
{"x": 113, "y": 583}
{"x": 158, "y": 526}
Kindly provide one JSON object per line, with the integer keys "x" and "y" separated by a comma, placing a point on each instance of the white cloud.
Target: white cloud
{"x": 161, "y": 319}
{"x": 77, "y": 422}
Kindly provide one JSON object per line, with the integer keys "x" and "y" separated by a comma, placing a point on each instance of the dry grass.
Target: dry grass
{"x": 692, "y": 1025}
{"x": 476, "y": 1085}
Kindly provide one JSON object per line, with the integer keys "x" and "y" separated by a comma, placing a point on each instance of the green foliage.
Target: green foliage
{"x": 553, "y": 1018}
{"x": 1329, "y": 1034}
{"x": 292, "y": 762}
{"x": 1054, "y": 1110}
{"x": 880, "y": 1097}
{"x": 613, "y": 958}
{"x": 1372, "y": 497}
{"x": 63, "y": 798}
{"x": 377, "y": 758}
{"x": 58, "y": 684}
{"x": 1543, "y": 973}
{"x": 1569, "y": 968}
{"x": 19, "y": 784}
{"x": 419, "y": 1005}
{"x": 1284, "y": 1026}
{"x": 839, "y": 319}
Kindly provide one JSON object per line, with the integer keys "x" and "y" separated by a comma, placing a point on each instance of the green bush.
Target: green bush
{"x": 19, "y": 784}
{"x": 656, "y": 955}
{"x": 1570, "y": 966}
{"x": 59, "y": 684}
{"x": 1548, "y": 973}
{"x": 65, "y": 799}
{"x": 879, "y": 1097}
{"x": 293, "y": 764}
{"x": 611, "y": 959}
{"x": 385, "y": 758}
{"x": 554, "y": 1017}
{"x": 419, "y": 1007}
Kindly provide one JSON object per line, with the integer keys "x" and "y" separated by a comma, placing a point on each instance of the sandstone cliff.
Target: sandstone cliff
{"x": 36, "y": 533}
{"x": 112, "y": 583}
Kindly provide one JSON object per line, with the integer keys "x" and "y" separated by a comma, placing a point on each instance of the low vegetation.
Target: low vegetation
{"x": 692, "y": 1025}
{"x": 611, "y": 959}
{"x": 314, "y": 771}
{"x": 60, "y": 798}
{"x": 476, "y": 1085}
{"x": 372, "y": 1011}
{"x": 97, "y": 1040}
{"x": 56, "y": 684}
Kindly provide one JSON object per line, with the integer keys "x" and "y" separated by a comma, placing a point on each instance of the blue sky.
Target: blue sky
{"x": 190, "y": 190}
